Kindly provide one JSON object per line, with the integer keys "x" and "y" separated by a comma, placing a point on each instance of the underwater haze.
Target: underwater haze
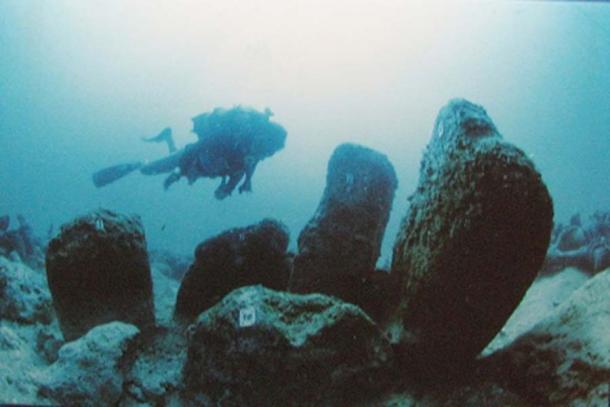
{"x": 81, "y": 82}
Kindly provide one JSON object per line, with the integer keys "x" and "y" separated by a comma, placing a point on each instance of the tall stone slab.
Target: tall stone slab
{"x": 472, "y": 241}
{"x": 339, "y": 246}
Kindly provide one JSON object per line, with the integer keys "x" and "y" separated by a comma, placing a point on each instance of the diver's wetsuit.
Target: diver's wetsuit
{"x": 201, "y": 159}
{"x": 231, "y": 143}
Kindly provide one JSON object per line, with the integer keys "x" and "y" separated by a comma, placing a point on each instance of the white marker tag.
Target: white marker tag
{"x": 247, "y": 317}
{"x": 99, "y": 225}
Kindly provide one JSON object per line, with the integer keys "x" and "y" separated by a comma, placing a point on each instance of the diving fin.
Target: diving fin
{"x": 108, "y": 175}
{"x": 164, "y": 136}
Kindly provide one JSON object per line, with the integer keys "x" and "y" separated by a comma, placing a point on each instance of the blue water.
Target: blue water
{"x": 82, "y": 82}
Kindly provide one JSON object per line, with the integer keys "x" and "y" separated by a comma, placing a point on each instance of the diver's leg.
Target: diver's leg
{"x": 225, "y": 190}
{"x": 164, "y": 136}
{"x": 246, "y": 186}
{"x": 163, "y": 165}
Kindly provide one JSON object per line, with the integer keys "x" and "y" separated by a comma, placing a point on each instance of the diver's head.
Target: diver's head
{"x": 200, "y": 123}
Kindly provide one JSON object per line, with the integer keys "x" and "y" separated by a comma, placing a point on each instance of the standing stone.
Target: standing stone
{"x": 98, "y": 272}
{"x": 473, "y": 239}
{"x": 379, "y": 295}
{"x": 340, "y": 245}
{"x": 238, "y": 257}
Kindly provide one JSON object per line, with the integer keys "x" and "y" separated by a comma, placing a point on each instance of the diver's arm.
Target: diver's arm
{"x": 225, "y": 190}
{"x": 164, "y": 136}
{"x": 173, "y": 177}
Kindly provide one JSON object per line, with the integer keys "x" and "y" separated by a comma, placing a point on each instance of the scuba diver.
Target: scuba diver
{"x": 230, "y": 144}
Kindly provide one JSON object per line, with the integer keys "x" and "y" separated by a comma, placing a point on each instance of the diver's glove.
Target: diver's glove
{"x": 221, "y": 192}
